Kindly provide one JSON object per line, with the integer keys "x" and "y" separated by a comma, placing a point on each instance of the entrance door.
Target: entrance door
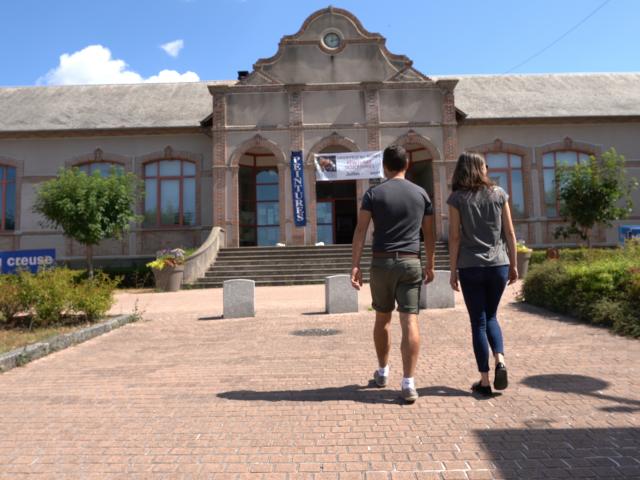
{"x": 337, "y": 211}
{"x": 259, "y": 205}
{"x": 420, "y": 169}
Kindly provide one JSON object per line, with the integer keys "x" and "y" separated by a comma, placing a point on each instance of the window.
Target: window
{"x": 505, "y": 169}
{"x": 170, "y": 193}
{"x": 550, "y": 162}
{"x": 7, "y": 198}
{"x": 103, "y": 167}
{"x": 259, "y": 203}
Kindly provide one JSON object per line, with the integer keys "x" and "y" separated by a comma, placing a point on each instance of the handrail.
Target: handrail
{"x": 197, "y": 263}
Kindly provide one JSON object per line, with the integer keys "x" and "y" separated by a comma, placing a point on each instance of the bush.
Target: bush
{"x": 54, "y": 296}
{"x": 93, "y": 297}
{"x": 139, "y": 276}
{"x": 10, "y": 300}
{"x": 600, "y": 286}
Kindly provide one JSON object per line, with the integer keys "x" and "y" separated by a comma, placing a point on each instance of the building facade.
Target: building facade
{"x": 218, "y": 153}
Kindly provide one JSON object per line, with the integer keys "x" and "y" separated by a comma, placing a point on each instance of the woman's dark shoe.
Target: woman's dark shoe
{"x": 484, "y": 390}
{"x": 500, "y": 381}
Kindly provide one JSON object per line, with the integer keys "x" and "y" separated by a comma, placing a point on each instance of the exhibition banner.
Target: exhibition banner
{"x": 348, "y": 166}
{"x": 297, "y": 184}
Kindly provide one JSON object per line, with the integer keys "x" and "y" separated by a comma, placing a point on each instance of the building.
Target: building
{"x": 217, "y": 153}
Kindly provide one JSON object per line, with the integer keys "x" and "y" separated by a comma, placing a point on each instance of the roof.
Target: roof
{"x": 95, "y": 107}
{"x": 549, "y": 95}
{"x": 167, "y": 105}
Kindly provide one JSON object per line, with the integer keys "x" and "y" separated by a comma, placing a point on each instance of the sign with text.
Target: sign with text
{"x": 628, "y": 232}
{"x": 297, "y": 189}
{"x": 348, "y": 166}
{"x": 31, "y": 260}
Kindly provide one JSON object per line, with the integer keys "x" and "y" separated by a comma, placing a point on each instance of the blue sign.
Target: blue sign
{"x": 31, "y": 260}
{"x": 297, "y": 184}
{"x": 628, "y": 232}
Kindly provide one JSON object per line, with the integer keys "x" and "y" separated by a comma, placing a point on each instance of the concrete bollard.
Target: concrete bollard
{"x": 339, "y": 295}
{"x": 437, "y": 294}
{"x": 239, "y": 298}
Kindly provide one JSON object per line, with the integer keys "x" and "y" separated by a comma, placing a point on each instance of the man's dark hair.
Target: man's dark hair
{"x": 394, "y": 158}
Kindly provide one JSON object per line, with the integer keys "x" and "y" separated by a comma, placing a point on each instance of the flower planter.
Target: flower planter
{"x": 168, "y": 279}
{"x": 522, "y": 259}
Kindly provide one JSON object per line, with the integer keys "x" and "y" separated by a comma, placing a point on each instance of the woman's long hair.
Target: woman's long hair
{"x": 468, "y": 174}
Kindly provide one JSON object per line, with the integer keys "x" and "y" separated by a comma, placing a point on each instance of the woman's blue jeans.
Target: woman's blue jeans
{"x": 482, "y": 288}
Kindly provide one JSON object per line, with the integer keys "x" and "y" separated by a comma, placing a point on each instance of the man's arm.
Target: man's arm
{"x": 428, "y": 231}
{"x": 364, "y": 217}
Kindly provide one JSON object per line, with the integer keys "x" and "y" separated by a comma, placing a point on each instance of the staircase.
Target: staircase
{"x": 291, "y": 265}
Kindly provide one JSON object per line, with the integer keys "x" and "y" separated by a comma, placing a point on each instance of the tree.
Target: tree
{"x": 594, "y": 192}
{"x": 89, "y": 208}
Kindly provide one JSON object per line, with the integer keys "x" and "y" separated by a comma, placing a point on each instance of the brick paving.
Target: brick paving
{"x": 186, "y": 394}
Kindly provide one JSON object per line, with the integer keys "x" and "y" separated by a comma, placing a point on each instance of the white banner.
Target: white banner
{"x": 348, "y": 166}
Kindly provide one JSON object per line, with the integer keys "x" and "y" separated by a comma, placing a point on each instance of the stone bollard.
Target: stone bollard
{"x": 239, "y": 298}
{"x": 437, "y": 294}
{"x": 339, "y": 295}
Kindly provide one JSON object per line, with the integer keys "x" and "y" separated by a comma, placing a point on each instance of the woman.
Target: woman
{"x": 479, "y": 226}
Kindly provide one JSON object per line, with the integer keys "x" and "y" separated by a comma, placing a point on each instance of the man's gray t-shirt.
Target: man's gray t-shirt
{"x": 482, "y": 242}
{"x": 397, "y": 208}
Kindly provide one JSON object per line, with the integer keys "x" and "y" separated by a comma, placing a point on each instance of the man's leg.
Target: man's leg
{"x": 382, "y": 338}
{"x": 410, "y": 346}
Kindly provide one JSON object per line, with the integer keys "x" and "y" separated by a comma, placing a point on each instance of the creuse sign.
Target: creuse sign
{"x": 32, "y": 260}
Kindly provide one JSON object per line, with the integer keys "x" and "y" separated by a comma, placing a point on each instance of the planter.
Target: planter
{"x": 169, "y": 279}
{"x": 522, "y": 259}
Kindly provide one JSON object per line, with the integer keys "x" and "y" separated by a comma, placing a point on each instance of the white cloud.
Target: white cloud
{"x": 173, "y": 48}
{"x": 95, "y": 65}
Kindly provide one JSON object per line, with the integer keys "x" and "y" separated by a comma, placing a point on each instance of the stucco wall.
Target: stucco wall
{"x": 410, "y": 105}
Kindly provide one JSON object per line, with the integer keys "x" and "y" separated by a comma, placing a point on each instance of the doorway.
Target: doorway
{"x": 420, "y": 169}
{"x": 336, "y": 207}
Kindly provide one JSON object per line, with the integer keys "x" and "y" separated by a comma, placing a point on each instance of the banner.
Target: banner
{"x": 348, "y": 166}
{"x": 31, "y": 260}
{"x": 297, "y": 189}
{"x": 628, "y": 232}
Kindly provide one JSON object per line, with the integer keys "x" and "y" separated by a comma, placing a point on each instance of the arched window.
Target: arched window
{"x": 103, "y": 167}
{"x": 550, "y": 162}
{"x": 505, "y": 169}
{"x": 7, "y": 198}
{"x": 170, "y": 193}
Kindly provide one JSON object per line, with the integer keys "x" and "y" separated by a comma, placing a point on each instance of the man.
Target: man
{"x": 398, "y": 209}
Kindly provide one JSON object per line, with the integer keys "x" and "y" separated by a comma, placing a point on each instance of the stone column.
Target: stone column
{"x": 372, "y": 118}
{"x": 219, "y": 171}
{"x": 297, "y": 143}
{"x": 450, "y": 151}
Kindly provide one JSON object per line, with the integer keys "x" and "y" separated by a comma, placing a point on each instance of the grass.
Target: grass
{"x": 11, "y": 339}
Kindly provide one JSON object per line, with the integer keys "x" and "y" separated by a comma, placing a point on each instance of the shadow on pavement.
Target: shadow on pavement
{"x": 563, "y": 453}
{"x": 356, "y": 393}
{"x": 582, "y": 385}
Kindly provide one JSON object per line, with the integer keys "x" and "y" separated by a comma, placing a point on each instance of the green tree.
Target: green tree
{"x": 594, "y": 192}
{"x": 89, "y": 208}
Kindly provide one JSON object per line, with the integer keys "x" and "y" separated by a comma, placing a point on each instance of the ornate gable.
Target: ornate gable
{"x": 332, "y": 46}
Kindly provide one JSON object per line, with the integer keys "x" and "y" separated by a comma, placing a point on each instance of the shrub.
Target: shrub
{"x": 597, "y": 286}
{"x": 10, "y": 301}
{"x": 50, "y": 293}
{"x": 138, "y": 276}
{"x": 93, "y": 297}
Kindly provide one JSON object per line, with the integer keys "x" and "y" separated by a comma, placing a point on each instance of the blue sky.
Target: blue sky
{"x": 213, "y": 39}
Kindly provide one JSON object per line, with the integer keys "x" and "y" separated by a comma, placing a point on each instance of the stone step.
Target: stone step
{"x": 294, "y": 268}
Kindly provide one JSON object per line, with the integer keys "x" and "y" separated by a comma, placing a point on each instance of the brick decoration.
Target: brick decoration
{"x": 219, "y": 158}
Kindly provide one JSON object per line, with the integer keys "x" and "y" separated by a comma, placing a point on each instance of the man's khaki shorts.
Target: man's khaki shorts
{"x": 395, "y": 280}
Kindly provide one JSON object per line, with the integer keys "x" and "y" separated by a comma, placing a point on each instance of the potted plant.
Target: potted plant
{"x": 168, "y": 269}
{"x": 523, "y": 255}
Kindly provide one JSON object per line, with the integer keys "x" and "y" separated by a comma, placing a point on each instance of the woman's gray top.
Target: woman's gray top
{"x": 482, "y": 243}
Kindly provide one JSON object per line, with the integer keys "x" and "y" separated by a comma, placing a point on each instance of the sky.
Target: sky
{"x": 45, "y": 42}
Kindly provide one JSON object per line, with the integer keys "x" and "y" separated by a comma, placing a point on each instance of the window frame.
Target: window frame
{"x": 4, "y": 183}
{"x": 158, "y": 178}
{"x": 508, "y": 170}
{"x": 88, "y": 164}
{"x": 554, "y": 169}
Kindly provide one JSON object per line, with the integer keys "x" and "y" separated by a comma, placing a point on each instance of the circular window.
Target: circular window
{"x": 332, "y": 40}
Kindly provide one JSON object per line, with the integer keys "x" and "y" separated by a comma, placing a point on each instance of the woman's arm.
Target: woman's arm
{"x": 454, "y": 245}
{"x": 510, "y": 235}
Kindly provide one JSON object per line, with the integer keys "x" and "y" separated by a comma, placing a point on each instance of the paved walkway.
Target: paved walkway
{"x": 186, "y": 394}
